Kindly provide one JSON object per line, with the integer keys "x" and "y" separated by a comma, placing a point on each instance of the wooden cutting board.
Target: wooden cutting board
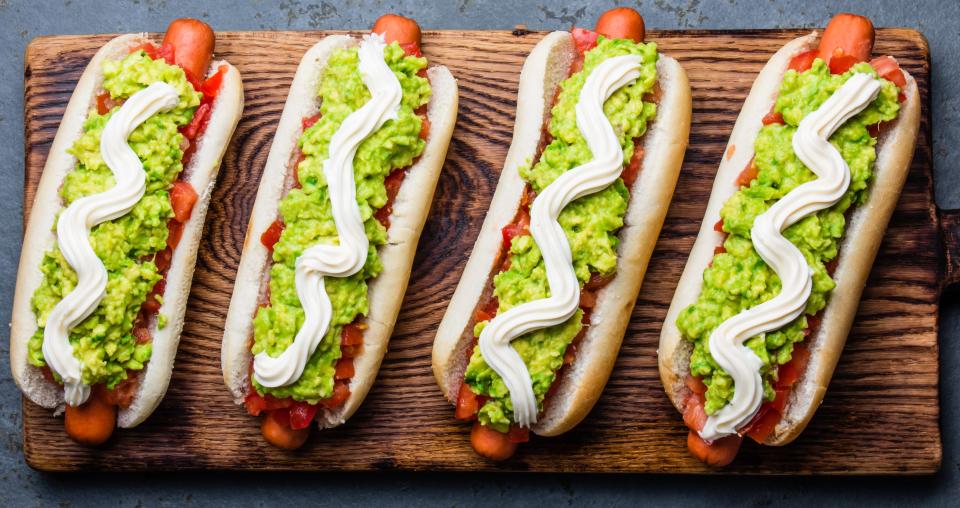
{"x": 880, "y": 415}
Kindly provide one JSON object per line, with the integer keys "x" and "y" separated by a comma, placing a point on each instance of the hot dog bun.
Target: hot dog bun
{"x": 38, "y": 236}
{"x": 410, "y": 210}
{"x": 858, "y": 249}
{"x": 664, "y": 143}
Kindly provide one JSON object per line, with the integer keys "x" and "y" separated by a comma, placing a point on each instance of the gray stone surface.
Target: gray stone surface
{"x": 21, "y": 21}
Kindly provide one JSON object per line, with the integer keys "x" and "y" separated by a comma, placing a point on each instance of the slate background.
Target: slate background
{"x": 20, "y": 21}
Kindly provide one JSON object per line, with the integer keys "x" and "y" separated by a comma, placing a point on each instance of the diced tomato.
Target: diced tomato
{"x": 519, "y": 434}
{"x": 301, "y": 414}
{"x": 167, "y": 52}
{"x": 695, "y": 385}
{"x": 831, "y": 267}
{"x": 174, "y": 233}
{"x": 748, "y": 174}
{"x": 47, "y": 373}
{"x": 874, "y": 130}
{"x": 762, "y": 425}
{"x": 152, "y": 303}
{"x": 271, "y": 236}
{"x": 629, "y": 174}
{"x": 487, "y": 311}
{"x": 308, "y": 121}
{"x": 888, "y": 68}
{"x": 841, "y": 62}
{"x": 141, "y": 334}
{"x": 211, "y": 86}
{"x": 718, "y": 227}
{"x": 720, "y": 249}
{"x": 804, "y": 60}
{"x": 779, "y": 403}
{"x": 149, "y": 49}
{"x": 393, "y": 182}
{"x": 519, "y": 227}
{"x": 192, "y": 129}
{"x": 255, "y": 403}
{"x": 584, "y": 39}
{"x": 467, "y": 403}
{"x": 772, "y": 117}
{"x": 340, "y": 394}
{"x": 351, "y": 335}
{"x": 182, "y": 199}
{"x": 105, "y": 103}
{"x": 350, "y": 351}
{"x": 694, "y": 415}
{"x": 122, "y": 394}
{"x": 588, "y": 299}
{"x": 424, "y": 128}
{"x": 412, "y": 49}
{"x": 162, "y": 259}
{"x": 570, "y": 354}
{"x": 344, "y": 369}
{"x": 790, "y": 372}
{"x": 597, "y": 282}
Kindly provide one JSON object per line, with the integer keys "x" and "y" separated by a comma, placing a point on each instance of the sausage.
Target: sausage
{"x": 491, "y": 444}
{"x": 92, "y": 422}
{"x": 282, "y": 436}
{"x": 718, "y": 453}
{"x": 847, "y": 34}
{"x": 621, "y": 23}
{"x": 395, "y": 27}
{"x": 192, "y": 42}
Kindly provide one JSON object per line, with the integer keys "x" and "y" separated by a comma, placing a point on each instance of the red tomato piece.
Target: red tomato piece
{"x": 519, "y": 434}
{"x": 584, "y": 39}
{"x": 720, "y": 249}
{"x": 162, "y": 259}
{"x": 271, "y": 236}
{"x": 281, "y": 416}
{"x": 182, "y": 199}
{"x": 718, "y": 227}
{"x": 840, "y": 62}
{"x": 695, "y": 385}
{"x": 790, "y": 372}
{"x": 340, "y": 394}
{"x": 149, "y": 49}
{"x": 351, "y": 335}
{"x": 888, "y": 68}
{"x": 629, "y": 174}
{"x": 762, "y": 425}
{"x": 467, "y": 403}
{"x": 301, "y": 414}
{"x": 748, "y": 174}
{"x": 570, "y": 354}
{"x": 167, "y": 52}
{"x": 192, "y": 129}
{"x": 411, "y": 49}
{"x": 350, "y": 351}
{"x": 772, "y": 117}
{"x": 487, "y": 311}
{"x": 308, "y": 121}
{"x": 804, "y": 60}
{"x": 255, "y": 403}
{"x": 211, "y": 86}
{"x": 344, "y": 369}
{"x": 424, "y": 128}
{"x": 104, "y": 103}
{"x": 519, "y": 227}
{"x": 174, "y": 233}
{"x": 141, "y": 334}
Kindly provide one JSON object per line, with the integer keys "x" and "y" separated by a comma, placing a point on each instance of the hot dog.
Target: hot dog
{"x": 564, "y": 365}
{"x": 770, "y": 389}
{"x": 104, "y": 347}
{"x": 398, "y": 134}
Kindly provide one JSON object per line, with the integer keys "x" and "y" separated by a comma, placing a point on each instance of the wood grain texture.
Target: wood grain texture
{"x": 880, "y": 415}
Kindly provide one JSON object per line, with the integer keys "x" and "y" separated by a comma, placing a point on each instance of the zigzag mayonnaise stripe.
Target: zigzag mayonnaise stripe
{"x": 73, "y": 233}
{"x": 564, "y": 299}
{"x": 348, "y": 257}
{"x": 811, "y": 145}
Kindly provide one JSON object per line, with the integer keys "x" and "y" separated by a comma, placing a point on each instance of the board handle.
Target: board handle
{"x": 950, "y": 235}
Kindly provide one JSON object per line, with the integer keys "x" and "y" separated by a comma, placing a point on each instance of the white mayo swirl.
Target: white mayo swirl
{"x": 564, "y": 299}
{"x": 348, "y": 257}
{"x": 811, "y": 145}
{"x": 73, "y": 233}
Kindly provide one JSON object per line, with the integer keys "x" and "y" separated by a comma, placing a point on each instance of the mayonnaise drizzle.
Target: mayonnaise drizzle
{"x": 73, "y": 233}
{"x": 564, "y": 299}
{"x": 348, "y": 257}
{"x": 811, "y": 145}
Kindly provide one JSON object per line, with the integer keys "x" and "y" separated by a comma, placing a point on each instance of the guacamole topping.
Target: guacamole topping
{"x": 308, "y": 219}
{"x": 590, "y": 223}
{"x": 104, "y": 342}
{"x": 738, "y": 279}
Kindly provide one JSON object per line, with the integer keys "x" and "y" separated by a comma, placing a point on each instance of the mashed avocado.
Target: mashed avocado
{"x": 738, "y": 279}
{"x": 591, "y": 224}
{"x": 308, "y": 217}
{"x": 104, "y": 342}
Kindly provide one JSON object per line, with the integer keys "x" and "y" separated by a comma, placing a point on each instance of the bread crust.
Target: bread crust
{"x": 39, "y": 238}
{"x": 410, "y": 209}
{"x": 865, "y": 230}
{"x": 664, "y": 145}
